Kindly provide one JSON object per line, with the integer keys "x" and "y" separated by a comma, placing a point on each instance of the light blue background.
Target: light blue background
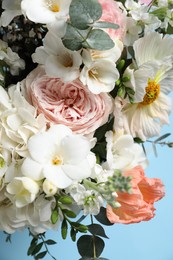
{"x": 152, "y": 240}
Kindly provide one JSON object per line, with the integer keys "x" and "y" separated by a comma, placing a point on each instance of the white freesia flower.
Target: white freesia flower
{"x": 99, "y": 75}
{"x": 89, "y": 200}
{"x": 49, "y": 188}
{"x": 11, "y": 58}
{"x": 11, "y": 9}
{"x": 46, "y": 11}
{"x": 151, "y": 78}
{"x": 123, "y": 153}
{"x": 59, "y": 156}
{"x": 19, "y": 121}
{"x": 59, "y": 62}
{"x": 22, "y": 191}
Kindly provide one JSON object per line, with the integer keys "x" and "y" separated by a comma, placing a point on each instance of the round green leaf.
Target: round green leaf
{"x": 86, "y": 243}
{"x": 97, "y": 230}
{"x": 98, "y": 40}
{"x": 84, "y": 12}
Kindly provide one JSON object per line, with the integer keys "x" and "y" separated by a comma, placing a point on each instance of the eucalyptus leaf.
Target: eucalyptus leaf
{"x": 84, "y": 12}
{"x": 97, "y": 230}
{"x": 162, "y": 137}
{"x": 99, "y": 40}
{"x": 102, "y": 24}
{"x": 73, "y": 37}
{"x": 50, "y": 242}
{"x": 102, "y": 218}
{"x": 87, "y": 243}
{"x": 37, "y": 248}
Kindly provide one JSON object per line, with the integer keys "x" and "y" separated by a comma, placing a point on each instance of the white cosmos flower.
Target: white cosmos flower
{"x": 151, "y": 78}
{"x": 59, "y": 156}
{"x": 22, "y": 191}
{"x": 59, "y": 61}
{"x": 46, "y": 11}
{"x": 11, "y": 9}
{"x": 99, "y": 74}
{"x": 123, "y": 153}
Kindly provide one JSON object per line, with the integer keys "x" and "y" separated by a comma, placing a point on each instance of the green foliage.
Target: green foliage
{"x": 84, "y": 12}
{"x": 161, "y": 13}
{"x": 90, "y": 246}
{"x": 64, "y": 229}
{"x": 54, "y": 216}
{"x": 102, "y": 218}
{"x": 97, "y": 230}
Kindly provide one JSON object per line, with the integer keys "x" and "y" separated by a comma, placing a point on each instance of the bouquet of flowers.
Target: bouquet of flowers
{"x": 83, "y": 85}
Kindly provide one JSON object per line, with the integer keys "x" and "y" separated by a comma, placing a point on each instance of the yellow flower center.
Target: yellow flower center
{"x": 54, "y": 7}
{"x": 93, "y": 73}
{"x": 152, "y": 93}
{"x": 57, "y": 160}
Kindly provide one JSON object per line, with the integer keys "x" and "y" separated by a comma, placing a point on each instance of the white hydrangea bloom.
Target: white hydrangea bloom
{"x": 59, "y": 156}
{"x": 19, "y": 121}
{"x": 123, "y": 153}
{"x": 59, "y": 62}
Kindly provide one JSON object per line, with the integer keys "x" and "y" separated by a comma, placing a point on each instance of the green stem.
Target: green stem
{"x": 47, "y": 248}
{"x": 94, "y": 246}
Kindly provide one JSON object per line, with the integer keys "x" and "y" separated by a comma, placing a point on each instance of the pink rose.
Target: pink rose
{"x": 70, "y": 104}
{"x": 111, "y": 12}
{"x": 139, "y": 205}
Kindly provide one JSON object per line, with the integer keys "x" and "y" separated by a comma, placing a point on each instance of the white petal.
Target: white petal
{"x": 32, "y": 169}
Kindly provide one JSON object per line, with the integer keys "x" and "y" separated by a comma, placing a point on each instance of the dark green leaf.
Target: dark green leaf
{"x": 169, "y": 29}
{"x": 87, "y": 243}
{"x": 84, "y": 12}
{"x": 54, "y": 216}
{"x": 99, "y": 40}
{"x": 102, "y": 218}
{"x": 37, "y": 248}
{"x": 97, "y": 230}
{"x": 73, "y": 234}
{"x": 64, "y": 229}
{"x": 138, "y": 140}
{"x": 80, "y": 227}
{"x": 69, "y": 213}
{"x": 162, "y": 137}
{"x": 102, "y": 24}
{"x": 40, "y": 255}
{"x": 50, "y": 242}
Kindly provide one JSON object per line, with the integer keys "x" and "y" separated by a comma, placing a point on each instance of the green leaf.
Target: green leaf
{"x": 64, "y": 229}
{"x": 69, "y": 213}
{"x": 99, "y": 40}
{"x": 169, "y": 29}
{"x": 102, "y": 24}
{"x": 97, "y": 230}
{"x": 73, "y": 38}
{"x": 79, "y": 227}
{"x": 40, "y": 255}
{"x": 138, "y": 140}
{"x": 102, "y": 218}
{"x": 162, "y": 137}
{"x": 50, "y": 242}
{"x": 37, "y": 248}
{"x": 66, "y": 200}
{"x": 86, "y": 244}
{"x": 54, "y": 216}
{"x": 73, "y": 234}
{"x": 84, "y": 12}
{"x": 160, "y": 13}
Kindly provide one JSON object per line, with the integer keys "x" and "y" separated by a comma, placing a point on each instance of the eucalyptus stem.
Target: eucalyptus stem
{"x": 94, "y": 246}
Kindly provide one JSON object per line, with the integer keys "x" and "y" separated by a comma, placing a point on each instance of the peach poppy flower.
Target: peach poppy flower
{"x": 139, "y": 205}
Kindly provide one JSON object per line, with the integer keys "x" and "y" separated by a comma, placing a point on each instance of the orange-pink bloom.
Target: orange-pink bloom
{"x": 139, "y": 205}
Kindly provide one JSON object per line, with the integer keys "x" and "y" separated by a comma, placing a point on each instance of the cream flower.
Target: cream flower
{"x": 151, "y": 78}
{"x": 59, "y": 62}
{"x": 22, "y": 191}
{"x": 11, "y": 58}
{"x": 19, "y": 121}
{"x": 11, "y": 9}
{"x": 59, "y": 156}
{"x": 99, "y": 74}
{"x": 123, "y": 153}
{"x": 46, "y": 11}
